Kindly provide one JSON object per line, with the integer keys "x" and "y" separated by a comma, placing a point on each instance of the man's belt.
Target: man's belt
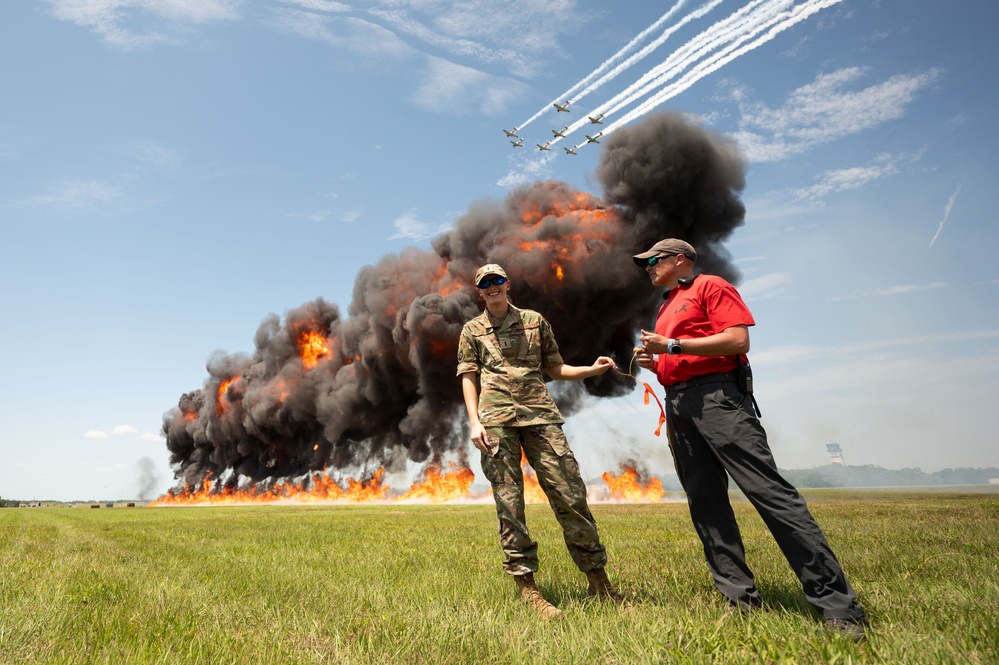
{"x": 726, "y": 377}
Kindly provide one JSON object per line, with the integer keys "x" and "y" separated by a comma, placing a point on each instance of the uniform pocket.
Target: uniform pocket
{"x": 530, "y": 352}
{"x": 556, "y": 438}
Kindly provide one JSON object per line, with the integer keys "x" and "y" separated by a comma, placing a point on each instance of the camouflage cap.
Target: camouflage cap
{"x": 668, "y": 246}
{"x": 489, "y": 269}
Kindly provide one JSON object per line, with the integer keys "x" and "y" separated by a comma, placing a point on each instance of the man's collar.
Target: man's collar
{"x": 684, "y": 282}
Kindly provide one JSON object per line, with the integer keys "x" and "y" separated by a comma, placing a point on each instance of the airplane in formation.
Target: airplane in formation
{"x": 562, "y": 108}
{"x": 519, "y": 143}
{"x": 543, "y": 147}
{"x": 570, "y": 151}
{"x": 511, "y": 132}
{"x": 594, "y": 139}
{"x": 560, "y": 133}
{"x": 598, "y": 120}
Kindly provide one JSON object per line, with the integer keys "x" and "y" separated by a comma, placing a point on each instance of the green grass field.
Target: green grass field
{"x": 423, "y": 584}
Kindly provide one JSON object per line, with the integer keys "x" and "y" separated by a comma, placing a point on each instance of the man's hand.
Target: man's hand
{"x": 644, "y": 359}
{"x": 479, "y": 438}
{"x": 652, "y": 342}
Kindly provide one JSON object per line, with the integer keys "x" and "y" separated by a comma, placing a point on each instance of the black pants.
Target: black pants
{"x": 714, "y": 433}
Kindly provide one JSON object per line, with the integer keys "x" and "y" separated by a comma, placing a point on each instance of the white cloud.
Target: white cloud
{"x": 122, "y": 430}
{"x": 896, "y": 370}
{"x": 322, "y": 5}
{"x": 797, "y": 353}
{"x": 351, "y": 216}
{"x": 890, "y": 291}
{"x": 459, "y": 46}
{"x": 823, "y": 111}
{"x": 314, "y": 216}
{"x": 108, "y": 18}
{"x": 761, "y": 286}
{"x": 527, "y": 170}
{"x": 152, "y": 153}
{"x": 407, "y": 226}
{"x": 518, "y": 34}
{"x": 853, "y": 177}
{"x": 450, "y": 88}
{"x": 777, "y": 206}
{"x": 75, "y": 196}
{"x": 359, "y": 36}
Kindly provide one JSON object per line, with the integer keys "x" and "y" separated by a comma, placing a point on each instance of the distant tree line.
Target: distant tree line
{"x": 835, "y": 475}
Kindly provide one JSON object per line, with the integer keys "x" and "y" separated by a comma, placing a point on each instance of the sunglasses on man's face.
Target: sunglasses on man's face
{"x": 656, "y": 259}
{"x": 494, "y": 281}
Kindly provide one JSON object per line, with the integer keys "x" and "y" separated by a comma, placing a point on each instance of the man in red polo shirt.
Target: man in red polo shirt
{"x": 701, "y": 340}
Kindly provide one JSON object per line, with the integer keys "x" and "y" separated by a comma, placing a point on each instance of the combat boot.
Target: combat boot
{"x": 601, "y": 587}
{"x": 529, "y": 592}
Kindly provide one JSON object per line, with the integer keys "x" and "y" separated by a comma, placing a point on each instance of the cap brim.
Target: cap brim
{"x": 641, "y": 259}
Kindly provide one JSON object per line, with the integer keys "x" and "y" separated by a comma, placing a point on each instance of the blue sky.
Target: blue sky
{"x": 174, "y": 171}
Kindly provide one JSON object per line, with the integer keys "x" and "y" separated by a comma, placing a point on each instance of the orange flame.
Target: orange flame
{"x": 444, "y": 282}
{"x": 319, "y": 487}
{"x": 222, "y": 403}
{"x": 591, "y": 230}
{"x": 312, "y": 347}
{"x": 438, "y": 486}
{"x": 582, "y": 205}
{"x": 367, "y": 490}
{"x": 629, "y": 486}
{"x": 448, "y": 289}
{"x": 532, "y": 488}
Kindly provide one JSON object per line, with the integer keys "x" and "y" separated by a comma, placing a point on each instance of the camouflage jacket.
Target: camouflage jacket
{"x": 508, "y": 360}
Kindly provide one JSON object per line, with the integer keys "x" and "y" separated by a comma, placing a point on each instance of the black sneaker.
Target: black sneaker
{"x": 852, "y": 628}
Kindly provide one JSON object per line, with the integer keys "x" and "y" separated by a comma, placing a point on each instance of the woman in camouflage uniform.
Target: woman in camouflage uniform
{"x": 500, "y": 357}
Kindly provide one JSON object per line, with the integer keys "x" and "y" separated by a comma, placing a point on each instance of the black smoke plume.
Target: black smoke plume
{"x": 378, "y": 387}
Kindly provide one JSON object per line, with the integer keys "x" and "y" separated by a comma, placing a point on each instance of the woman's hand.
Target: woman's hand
{"x": 601, "y": 365}
{"x": 479, "y": 438}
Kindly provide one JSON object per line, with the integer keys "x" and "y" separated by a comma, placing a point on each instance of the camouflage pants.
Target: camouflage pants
{"x": 547, "y": 451}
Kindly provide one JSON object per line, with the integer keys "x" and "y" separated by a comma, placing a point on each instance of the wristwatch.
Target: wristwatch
{"x": 673, "y": 347}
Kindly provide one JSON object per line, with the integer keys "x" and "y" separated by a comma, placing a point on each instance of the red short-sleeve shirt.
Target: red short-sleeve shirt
{"x": 706, "y": 306}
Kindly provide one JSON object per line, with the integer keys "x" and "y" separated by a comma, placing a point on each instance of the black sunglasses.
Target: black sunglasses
{"x": 656, "y": 259}
{"x": 495, "y": 281}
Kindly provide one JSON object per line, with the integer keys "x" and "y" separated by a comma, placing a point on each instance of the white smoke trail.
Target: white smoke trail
{"x": 744, "y": 20}
{"x": 749, "y": 20}
{"x": 648, "y": 48}
{"x": 783, "y": 21}
{"x": 627, "y": 48}
{"x": 744, "y": 24}
{"x": 947, "y": 209}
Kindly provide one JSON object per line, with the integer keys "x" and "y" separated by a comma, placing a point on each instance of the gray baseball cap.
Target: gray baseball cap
{"x": 668, "y": 246}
